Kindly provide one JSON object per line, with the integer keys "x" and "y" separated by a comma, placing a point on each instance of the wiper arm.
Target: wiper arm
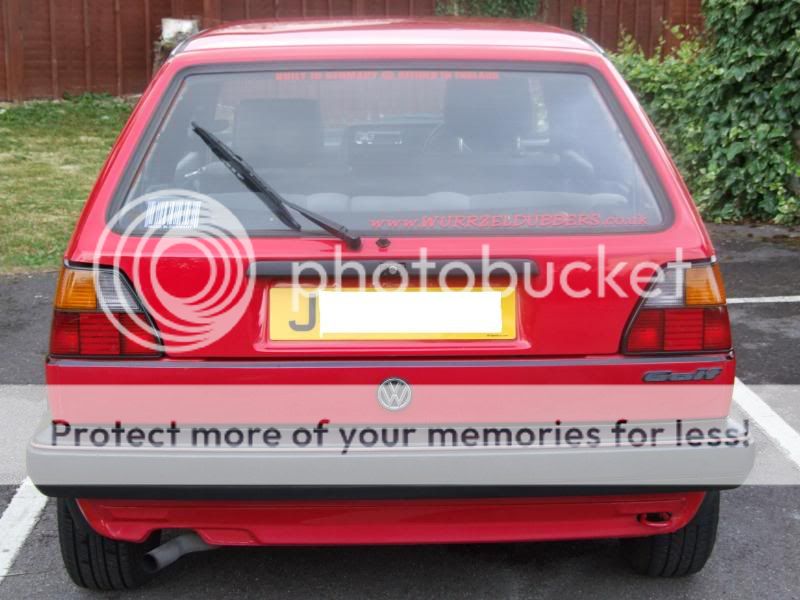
{"x": 269, "y": 196}
{"x": 248, "y": 177}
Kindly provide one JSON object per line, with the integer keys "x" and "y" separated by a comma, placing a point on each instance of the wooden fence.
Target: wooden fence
{"x": 52, "y": 47}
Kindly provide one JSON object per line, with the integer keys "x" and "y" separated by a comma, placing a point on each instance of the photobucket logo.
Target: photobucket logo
{"x": 419, "y": 273}
{"x": 157, "y": 240}
{"x": 598, "y": 275}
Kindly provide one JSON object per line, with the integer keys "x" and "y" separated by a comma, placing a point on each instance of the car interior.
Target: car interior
{"x": 512, "y": 143}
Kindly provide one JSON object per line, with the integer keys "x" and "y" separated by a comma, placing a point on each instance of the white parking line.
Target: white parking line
{"x": 17, "y": 521}
{"x": 784, "y": 436}
{"x": 763, "y": 299}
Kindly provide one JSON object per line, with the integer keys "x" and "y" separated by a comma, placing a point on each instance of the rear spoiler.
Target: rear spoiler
{"x": 287, "y": 268}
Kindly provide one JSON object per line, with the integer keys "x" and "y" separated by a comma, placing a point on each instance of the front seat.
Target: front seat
{"x": 280, "y": 135}
{"x": 484, "y": 115}
{"x": 278, "y": 132}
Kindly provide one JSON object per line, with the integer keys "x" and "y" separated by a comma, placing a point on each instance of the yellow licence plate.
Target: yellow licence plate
{"x": 411, "y": 314}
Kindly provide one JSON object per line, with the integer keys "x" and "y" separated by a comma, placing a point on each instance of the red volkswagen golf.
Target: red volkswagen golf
{"x": 388, "y": 282}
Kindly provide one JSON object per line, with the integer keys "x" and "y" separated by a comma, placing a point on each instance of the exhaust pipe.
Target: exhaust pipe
{"x": 168, "y": 552}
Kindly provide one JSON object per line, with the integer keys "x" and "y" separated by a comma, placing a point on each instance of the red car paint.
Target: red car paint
{"x": 554, "y": 328}
{"x": 244, "y": 523}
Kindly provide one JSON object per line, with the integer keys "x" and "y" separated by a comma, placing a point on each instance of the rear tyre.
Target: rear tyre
{"x": 96, "y": 562}
{"x": 683, "y": 552}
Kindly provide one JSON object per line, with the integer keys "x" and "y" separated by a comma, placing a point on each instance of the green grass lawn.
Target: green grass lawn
{"x": 50, "y": 155}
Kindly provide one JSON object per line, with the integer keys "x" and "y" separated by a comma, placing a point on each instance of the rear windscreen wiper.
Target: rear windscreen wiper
{"x": 270, "y": 197}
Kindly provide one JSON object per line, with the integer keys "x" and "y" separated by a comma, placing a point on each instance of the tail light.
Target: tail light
{"x": 683, "y": 311}
{"x": 98, "y": 314}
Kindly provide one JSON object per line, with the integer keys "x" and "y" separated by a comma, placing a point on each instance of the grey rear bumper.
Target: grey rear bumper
{"x": 57, "y": 469}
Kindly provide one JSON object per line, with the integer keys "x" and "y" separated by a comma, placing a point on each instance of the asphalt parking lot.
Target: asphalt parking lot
{"x": 757, "y": 553}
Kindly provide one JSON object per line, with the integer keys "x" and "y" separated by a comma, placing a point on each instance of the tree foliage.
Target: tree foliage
{"x": 728, "y": 107}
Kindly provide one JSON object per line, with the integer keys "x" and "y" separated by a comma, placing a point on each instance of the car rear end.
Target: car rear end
{"x": 528, "y": 342}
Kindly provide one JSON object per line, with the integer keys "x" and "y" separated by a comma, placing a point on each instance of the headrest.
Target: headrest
{"x": 491, "y": 112}
{"x": 279, "y": 132}
{"x": 574, "y": 112}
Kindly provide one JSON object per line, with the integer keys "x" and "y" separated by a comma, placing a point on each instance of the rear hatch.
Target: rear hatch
{"x": 557, "y": 310}
{"x": 534, "y": 168}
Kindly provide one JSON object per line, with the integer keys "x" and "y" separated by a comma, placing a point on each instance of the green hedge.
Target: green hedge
{"x": 728, "y": 107}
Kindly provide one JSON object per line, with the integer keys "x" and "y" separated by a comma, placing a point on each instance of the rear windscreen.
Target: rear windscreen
{"x": 404, "y": 152}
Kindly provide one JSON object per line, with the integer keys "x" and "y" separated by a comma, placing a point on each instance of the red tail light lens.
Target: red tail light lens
{"x": 130, "y": 344}
{"x": 672, "y": 321}
{"x": 647, "y": 332}
{"x": 683, "y": 329}
{"x": 716, "y": 329}
{"x": 64, "y": 336}
{"x": 82, "y": 328}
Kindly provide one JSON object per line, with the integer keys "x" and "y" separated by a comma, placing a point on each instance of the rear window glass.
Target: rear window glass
{"x": 402, "y": 152}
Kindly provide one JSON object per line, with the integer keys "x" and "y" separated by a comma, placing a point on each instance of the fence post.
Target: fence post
{"x": 118, "y": 46}
{"x": 148, "y": 42}
{"x": 14, "y": 49}
{"x": 87, "y": 48}
{"x": 51, "y": 15}
{"x": 212, "y": 13}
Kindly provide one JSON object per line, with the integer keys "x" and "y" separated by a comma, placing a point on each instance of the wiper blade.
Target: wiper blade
{"x": 269, "y": 196}
{"x": 248, "y": 177}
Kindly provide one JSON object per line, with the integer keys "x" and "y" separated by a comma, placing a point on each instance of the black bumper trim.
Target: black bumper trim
{"x": 306, "y": 493}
